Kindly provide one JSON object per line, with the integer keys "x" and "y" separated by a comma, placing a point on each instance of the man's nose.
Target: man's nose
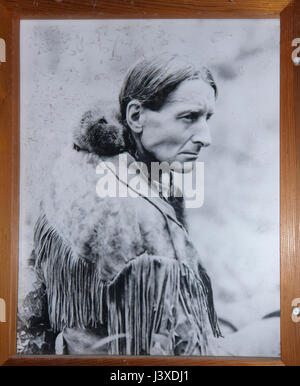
{"x": 202, "y": 133}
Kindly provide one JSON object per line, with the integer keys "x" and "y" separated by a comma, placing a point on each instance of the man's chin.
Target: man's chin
{"x": 183, "y": 167}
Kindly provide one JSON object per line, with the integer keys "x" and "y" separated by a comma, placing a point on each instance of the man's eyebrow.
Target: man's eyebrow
{"x": 196, "y": 111}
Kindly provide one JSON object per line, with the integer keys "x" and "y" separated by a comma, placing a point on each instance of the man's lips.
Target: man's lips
{"x": 194, "y": 153}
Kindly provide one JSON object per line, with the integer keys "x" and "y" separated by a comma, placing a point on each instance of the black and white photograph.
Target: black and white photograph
{"x": 149, "y": 188}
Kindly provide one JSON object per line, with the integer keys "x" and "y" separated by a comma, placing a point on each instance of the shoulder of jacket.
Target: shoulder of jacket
{"x": 72, "y": 205}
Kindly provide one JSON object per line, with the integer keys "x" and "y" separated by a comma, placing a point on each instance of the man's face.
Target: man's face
{"x": 179, "y": 130}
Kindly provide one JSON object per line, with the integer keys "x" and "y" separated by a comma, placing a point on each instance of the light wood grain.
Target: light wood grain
{"x": 6, "y": 182}
{"x": 290, "y": 185}
{"x": 146, "y": 8}
{"x": 140, "y": 361}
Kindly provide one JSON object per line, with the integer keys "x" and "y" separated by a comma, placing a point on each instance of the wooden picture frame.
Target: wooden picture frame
{"x": 11, "y": 12}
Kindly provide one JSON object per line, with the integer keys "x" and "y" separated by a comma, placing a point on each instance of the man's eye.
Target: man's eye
{"x": 190, "y": 117}
{"x": 208, "y": 116}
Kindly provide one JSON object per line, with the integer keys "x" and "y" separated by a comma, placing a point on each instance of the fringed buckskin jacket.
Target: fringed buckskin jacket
{"x": 113, "y": 275}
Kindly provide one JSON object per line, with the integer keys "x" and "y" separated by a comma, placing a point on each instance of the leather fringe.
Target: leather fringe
{"x": 74, "y": 290}
{"x": 146, "y": 301}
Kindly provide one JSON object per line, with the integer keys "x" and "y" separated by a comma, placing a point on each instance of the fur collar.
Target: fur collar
{"x": 101, "y": 132}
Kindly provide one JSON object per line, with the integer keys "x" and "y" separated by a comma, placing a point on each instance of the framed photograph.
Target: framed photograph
{"x": 150, "y": 204}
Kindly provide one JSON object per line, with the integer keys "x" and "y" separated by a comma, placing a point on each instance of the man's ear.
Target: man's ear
{"x": 133, "y": 116}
